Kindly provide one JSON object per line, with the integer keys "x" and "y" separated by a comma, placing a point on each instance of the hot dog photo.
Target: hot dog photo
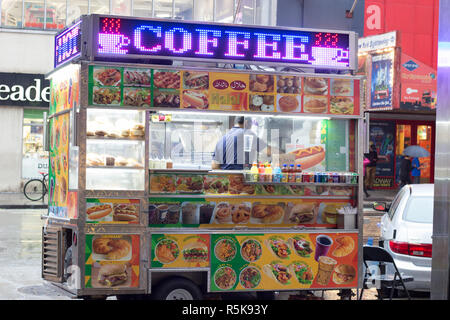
{"x": 309, "y": 157}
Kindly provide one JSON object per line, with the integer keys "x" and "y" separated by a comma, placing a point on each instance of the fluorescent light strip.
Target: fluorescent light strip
{"x": 226, "y": 113}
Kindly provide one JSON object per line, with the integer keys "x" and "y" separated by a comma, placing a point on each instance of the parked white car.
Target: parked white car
{"x": 406, "y": 231}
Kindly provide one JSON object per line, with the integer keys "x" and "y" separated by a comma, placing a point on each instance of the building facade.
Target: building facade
{"x": 27, "y": 30}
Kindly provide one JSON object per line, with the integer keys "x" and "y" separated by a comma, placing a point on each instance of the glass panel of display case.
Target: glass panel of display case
{"x": 115, "y": 140}
{"x": 192, "y": 142}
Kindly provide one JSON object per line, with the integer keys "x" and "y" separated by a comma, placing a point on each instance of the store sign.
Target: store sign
{"x": 23, "y": 89}
{"x": 377, "y": 42}
{"x": 140, "y": 38}
{"x": 68, "y": 45}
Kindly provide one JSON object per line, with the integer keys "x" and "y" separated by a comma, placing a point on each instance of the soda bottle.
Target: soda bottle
{"x": 261, "y": 171}
{"x": 254, "y": 172}
{"x": 276, "y": 174}
{"x": 284, "y": 173}
{"x": 268, "y": 173}
{"x": 291, "y": 173}
{"x": 298, "y": 173}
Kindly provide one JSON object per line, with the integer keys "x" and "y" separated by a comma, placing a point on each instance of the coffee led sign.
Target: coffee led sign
{"x": 138, "y": 38}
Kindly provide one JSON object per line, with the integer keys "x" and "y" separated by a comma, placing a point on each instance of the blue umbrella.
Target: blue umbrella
{"x": 416, "y": 152}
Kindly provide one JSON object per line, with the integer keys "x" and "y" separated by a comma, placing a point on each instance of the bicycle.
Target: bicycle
{"x": 36, "y": 189}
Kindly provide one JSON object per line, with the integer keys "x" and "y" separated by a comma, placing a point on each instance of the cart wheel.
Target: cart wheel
{"x": 177, "y": 288}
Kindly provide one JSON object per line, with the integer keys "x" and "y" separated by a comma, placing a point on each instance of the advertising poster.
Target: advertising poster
{"x": 229, "y": 91}
{"x": 418, "y": 85}
{"x": 252, "y": 212}
{"x": 58, "y": 181}
{"x": 243, "y": 262}
{"x": 382, "y": 135}
{"x": 112, "y": 211}
{"x": 65, "y": 89}
{"x": 112, "y": 261}
{"x": 382, "y": 80}
{"x": 180, "y": 251}
{"x": 204, "y": 90}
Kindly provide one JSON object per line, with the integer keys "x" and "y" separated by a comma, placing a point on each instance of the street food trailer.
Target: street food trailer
{"x": 137, "y": 109}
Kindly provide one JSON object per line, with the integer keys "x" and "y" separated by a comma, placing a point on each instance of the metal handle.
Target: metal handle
{"x": 366, "y": 132}
{"x": 46, "y": 132}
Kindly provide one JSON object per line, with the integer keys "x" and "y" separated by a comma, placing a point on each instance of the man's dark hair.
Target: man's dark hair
{"x": 239, "y": 120}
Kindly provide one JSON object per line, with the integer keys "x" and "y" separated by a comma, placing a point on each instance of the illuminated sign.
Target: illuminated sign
{"x": 68, "y": 44}
{"x": 121, "y": 37}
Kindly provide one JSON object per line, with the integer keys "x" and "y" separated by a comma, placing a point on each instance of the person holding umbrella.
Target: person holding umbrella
{"x": 416, "y": 152}
{"x": 415, "y": 172}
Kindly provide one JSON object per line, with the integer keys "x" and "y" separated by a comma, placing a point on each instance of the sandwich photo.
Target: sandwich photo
{"x": 195, "y": 99}
{"x": 315, "y": 104}
{"x": 195, "y": 252}
{"x": 344, "y": 274}
{"x": 341, "y": 105}
{"x": 196, "y": 80}
{"x": 341, "y": 87}
{"x": 302, "y": 213}
{"x": 302, "y": 272}
{"x": 278, "y": 246}
{"x": 301, "y": 246}
{"x": 268, "y": 213}
{"x": 279, "y": 272}
{"x": 318, "y": 86}
{"x": 112, "y": 275}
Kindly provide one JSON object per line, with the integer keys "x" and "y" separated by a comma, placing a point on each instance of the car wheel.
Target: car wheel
{"x": 177, "y": 288}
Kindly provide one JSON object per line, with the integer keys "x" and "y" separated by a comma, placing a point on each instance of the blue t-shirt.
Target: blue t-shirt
{"x": 415, "y": 164}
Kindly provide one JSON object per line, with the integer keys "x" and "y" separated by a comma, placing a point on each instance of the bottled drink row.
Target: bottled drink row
{"x": 265, "y": 173}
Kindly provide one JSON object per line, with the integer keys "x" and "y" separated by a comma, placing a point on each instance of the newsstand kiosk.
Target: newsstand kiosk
{"x": 138, "y": 111}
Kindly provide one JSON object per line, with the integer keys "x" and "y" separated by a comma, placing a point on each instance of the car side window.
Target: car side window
{"x": 395, "y": 203}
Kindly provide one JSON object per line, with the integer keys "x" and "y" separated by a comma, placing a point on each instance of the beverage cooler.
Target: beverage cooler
{"x": 155, "y": 191}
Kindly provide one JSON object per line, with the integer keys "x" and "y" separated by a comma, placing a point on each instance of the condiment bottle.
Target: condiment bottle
{"x": 169, "y": 163}
{"x": 298, "y": 173}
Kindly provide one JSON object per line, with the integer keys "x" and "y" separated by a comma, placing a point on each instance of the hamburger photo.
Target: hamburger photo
{"x": 318, "y": 86}
{"x": 195, "y": 252}
{"x": 344, "y": 274}
{"x": 313, "y": 104}
{"x": 112, "y": 275}
{"x": 329, "y": 214}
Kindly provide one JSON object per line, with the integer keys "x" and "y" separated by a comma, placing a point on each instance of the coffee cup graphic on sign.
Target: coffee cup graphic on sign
{"x": 323, "y": 244}
{"x": 113, "y": 43}
{"x": 330, "y": 56}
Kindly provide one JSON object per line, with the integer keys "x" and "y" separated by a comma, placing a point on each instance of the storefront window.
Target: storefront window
{"x": 35, "y": 159}
{"x": 184, "y": 9}
{"x": 142, "y": 8}
{"x": 121, "y": 7}
{"x": 11, "y": 13}
{"x": 224, "y": 11}
{"x": 265, "y": 12}
{"x": 34, "y": 14}
{"x": 245, "y": 12}
{"x": 56, "y": 14}
{"x": 76, "y": 8}
{"x": 163, "y": 8}
{"x": 99, "y": 6}
{"x": 204, "y": 10}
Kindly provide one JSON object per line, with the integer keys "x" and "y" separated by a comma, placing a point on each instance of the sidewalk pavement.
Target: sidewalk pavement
{"x": 15, "y": 200}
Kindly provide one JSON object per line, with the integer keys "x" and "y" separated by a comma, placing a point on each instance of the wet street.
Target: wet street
{"x": 20, "y": 257}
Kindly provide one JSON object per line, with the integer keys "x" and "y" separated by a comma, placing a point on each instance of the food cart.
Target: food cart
{"x": 138, "y": 111}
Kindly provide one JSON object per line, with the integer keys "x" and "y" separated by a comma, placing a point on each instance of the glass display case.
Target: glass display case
{"x": 115, "y": 149}
{"x": 193, "y": 142}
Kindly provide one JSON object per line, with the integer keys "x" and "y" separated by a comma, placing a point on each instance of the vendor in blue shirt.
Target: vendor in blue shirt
{"x": 229, "y": 153}
{"x": 415, "y": 172}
